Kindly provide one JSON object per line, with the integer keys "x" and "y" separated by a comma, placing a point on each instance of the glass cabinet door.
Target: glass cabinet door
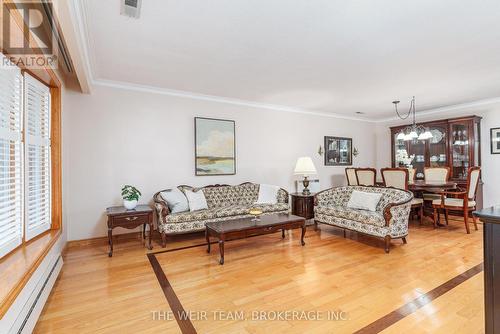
{"x": 417, "y": 148}
{"x": 438, "y": 156}
{"x": 400, "y": 150}
{"x": 460, "y": 154}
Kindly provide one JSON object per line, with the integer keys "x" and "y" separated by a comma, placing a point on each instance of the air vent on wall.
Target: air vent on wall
{"x": 131, "y": 8}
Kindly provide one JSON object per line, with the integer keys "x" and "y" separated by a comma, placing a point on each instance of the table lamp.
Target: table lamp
{"x": 305, "y": 167}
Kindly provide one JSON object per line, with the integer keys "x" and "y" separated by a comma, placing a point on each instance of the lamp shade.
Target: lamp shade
{"x": 305, "y": 166}
{"x": 401, "y": 136}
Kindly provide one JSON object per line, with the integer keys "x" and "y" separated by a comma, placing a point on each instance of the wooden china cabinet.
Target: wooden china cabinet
{"x": 455, "y": 144}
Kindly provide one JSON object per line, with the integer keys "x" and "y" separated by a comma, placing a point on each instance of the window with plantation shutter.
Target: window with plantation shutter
{"x": 37, "y": 157}
{"x": 11, "y": 158}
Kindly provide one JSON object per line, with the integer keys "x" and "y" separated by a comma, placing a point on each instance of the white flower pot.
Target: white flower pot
{"x": 129, "y": 204}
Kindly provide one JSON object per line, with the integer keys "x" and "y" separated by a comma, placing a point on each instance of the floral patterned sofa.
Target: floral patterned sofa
{"x": 389, "y": 221}
{"x": 224, "y": 202}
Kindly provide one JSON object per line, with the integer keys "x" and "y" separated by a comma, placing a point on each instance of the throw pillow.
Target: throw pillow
{"x": 196, "y": 200}
{"x": 176, "y": 200}
{"x": 268, "y": 194}
{"x": 364, "y": 200}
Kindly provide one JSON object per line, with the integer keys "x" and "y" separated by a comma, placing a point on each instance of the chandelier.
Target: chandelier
{"x": 412, "y": 132}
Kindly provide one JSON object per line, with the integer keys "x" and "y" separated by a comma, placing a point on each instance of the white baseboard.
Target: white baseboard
{"x": 24, "y": 312}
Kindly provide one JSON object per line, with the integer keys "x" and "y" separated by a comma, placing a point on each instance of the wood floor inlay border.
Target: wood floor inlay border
{"x": 390, "y": 319}
{"x": 377, "y": 326}
{"x": 184, "y": 323}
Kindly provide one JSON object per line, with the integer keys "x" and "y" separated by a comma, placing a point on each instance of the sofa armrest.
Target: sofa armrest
{"x": 396, "y": 211}
{"x": 283, "y": 196}
{"x": 161, "y": 208}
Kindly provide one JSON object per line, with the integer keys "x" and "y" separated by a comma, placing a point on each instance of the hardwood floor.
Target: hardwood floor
{"x": 97, "y": 294}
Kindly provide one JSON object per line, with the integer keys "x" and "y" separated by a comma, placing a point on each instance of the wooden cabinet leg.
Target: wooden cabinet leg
{"x": 421, "y": 214}
{"x": 110, "y": 241}
{"x": 435, "y": 217}
{"x": 221, "y": 250}
{"x": 207, "y": 237}
{"x": 283, "y": 234}
{"x": 150, "y": 244}
{"x": 302, "y": 235}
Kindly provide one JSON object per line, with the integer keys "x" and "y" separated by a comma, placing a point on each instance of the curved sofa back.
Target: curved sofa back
{"x": 226, "y": 195}
{"x": 340, "y": 196}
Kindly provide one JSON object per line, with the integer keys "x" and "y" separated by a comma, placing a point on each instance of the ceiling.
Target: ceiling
{"x": 326, "y": 56}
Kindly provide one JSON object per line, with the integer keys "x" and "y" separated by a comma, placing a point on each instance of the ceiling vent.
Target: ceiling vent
{"x": 131, "y": 8}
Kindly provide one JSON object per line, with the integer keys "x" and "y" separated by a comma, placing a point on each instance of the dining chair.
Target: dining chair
{"x": 435, "y": 175}
{"x": 350, "y": 174}
{"x": 399, "y": 178}
{"x": 462, "y": 200}
{"x": 366, "y": 176}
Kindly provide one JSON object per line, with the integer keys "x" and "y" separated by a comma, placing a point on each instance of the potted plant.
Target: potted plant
{"x": 130, "y": 196}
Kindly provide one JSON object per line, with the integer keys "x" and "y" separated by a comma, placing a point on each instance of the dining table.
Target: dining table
{"x": 418, "y": 187}
{"x": 431, "y": 186}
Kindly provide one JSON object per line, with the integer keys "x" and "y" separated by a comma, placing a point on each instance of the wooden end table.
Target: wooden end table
{"x": 119, "y": 216}
{"x": 303, "y": 205}
{"x": 245, "y": 227}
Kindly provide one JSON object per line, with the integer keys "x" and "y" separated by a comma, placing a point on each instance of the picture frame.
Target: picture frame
{"x": 215, "y": 146}
{"x": 338, "y": 151}
{"x": 495, "y": 140}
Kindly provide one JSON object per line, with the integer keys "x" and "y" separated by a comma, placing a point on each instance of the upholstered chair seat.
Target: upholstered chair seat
{"x": 458, "y": 202}
{"x": 417, "y": 201}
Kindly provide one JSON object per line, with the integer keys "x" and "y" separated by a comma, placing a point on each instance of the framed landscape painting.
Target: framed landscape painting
{"x": 338, "y": 151}
{"x": 215, "y": 148}
{"x": 495, "y": 140}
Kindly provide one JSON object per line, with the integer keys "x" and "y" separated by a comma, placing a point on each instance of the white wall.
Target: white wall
{"x": 116, "y": 136}
{"x": 490, "y": 162}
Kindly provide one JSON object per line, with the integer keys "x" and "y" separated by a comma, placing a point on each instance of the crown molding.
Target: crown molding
{"x": 453, "y": 107}
{"x": 219, "y": 99}
{"x": 78, "y": 14}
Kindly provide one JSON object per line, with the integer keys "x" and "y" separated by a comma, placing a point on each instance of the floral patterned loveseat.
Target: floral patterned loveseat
{"x": 389, "y": 221}
{"x": 224, "y": 202}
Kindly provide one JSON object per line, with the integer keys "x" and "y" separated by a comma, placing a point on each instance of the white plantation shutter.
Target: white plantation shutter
{"x": 37, "y": 157}
{"x": 11, "y": 158}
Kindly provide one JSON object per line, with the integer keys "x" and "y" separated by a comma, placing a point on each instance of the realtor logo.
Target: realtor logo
{"x": 28, "y": 33}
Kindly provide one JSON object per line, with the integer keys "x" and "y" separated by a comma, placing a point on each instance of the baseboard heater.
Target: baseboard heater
{"x": 27, "y": 324}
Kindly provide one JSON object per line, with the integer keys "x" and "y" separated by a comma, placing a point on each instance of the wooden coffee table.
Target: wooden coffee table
{"x": 245, "y": 227}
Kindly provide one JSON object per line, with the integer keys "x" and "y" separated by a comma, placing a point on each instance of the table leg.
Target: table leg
{"x": 221, "y": 250}
{"x": 283, "y": 233}
{"x": 150, "y": 245}
{"x": 207, "y": 237}
{"x": 110, "y": 241}
{"x": 144, "y": 231}
{"x": 302, "y": 236}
